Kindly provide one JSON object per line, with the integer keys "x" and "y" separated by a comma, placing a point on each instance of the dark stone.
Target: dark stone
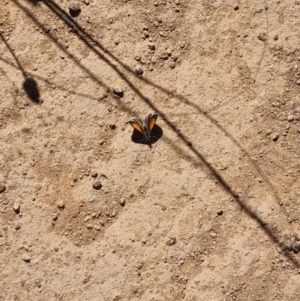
{"x": 97, "y": 185}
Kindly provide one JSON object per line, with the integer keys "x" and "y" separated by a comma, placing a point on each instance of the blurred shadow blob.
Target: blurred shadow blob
{"x": 156, "y": 134}
{"x": 31, "y": 88}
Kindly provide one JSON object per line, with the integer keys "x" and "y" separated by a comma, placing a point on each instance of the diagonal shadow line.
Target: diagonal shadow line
{"x": 48, "y": 82}
{"x": 29, "y": 85}
{"x": 225, "y": 185}
{"x": 13, "y": 89}
{"x": 211, "y": 171}
{"x": 60, "y": 45}
{"x": 13, "y": 55}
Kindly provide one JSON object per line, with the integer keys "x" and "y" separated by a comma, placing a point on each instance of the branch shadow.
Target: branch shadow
{"x": 50, "y": 83}
{"x": 90, "y": 42}
{"x": 34, "y": 2}
{"x": 30, "y": 85}
{"x": 31, "y": 88}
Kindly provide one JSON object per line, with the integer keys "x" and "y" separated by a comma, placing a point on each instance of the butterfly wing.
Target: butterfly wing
{"x": 150, "y": 120}
{"x": 137, "y": 124}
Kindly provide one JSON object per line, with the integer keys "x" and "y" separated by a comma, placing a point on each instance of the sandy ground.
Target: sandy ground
{"x": 210, "y": 211}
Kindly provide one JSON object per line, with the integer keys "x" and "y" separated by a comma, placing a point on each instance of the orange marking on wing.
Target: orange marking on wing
{"x": 152, "y": 121}
{"x": 136, "y": 124}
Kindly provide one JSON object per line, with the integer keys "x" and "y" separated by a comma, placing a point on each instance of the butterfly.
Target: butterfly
{"x": 144, "y": 126}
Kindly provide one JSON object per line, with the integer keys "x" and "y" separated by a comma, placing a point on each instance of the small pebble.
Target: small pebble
{"x": 163, "y": 55}
{"x": 213, "y": 235}
{"x": 236, "y": 6}
{"x": 16, "y": 208}
{"x": 262, "y": 36}
{"x": 153, "y": 59}
{"x": 2, "y": 187}
{"x": 174, "y": 57}
{"x": 46, "y": 28}
{"x": 113, "y": 126}
{"x": 94, "y": 174}
{"x": 220, "y": 212}
{"x": 134, "y": 289}
{"x": 151, "y": 46}
{"x": 60, "y": 204}
{"x": 97, "y": 185}
{"x": 171, "y": 241}
{"x": 138, "y": 70}
{"x": 74, "y": 9}
{"x": 55, "y": 216}
{"x": 276, "y": 37}
{"x": 145, "y": 34}
{"x": 17, "y": 226}
{"x": 26, "y": 257}
{"x": 290, "y": 118}
{"x": 296, "y": 246}
{"x": 172, "y": 64}
{"x": 97, "y": 227}
{"x": 113, "y": 214}
{"x": 118, "y": 91}
{"x": 37, "y": 187}
{"x": 275, "y": 136}
{"x": 90, "y": 198}
{"x": 122, "y": 201}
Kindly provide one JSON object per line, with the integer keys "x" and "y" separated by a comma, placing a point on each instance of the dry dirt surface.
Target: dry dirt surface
{"x": 89, "y": 211}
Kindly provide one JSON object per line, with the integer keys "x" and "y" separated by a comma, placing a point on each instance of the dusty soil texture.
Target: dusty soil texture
{"x": 211, "y": 211}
